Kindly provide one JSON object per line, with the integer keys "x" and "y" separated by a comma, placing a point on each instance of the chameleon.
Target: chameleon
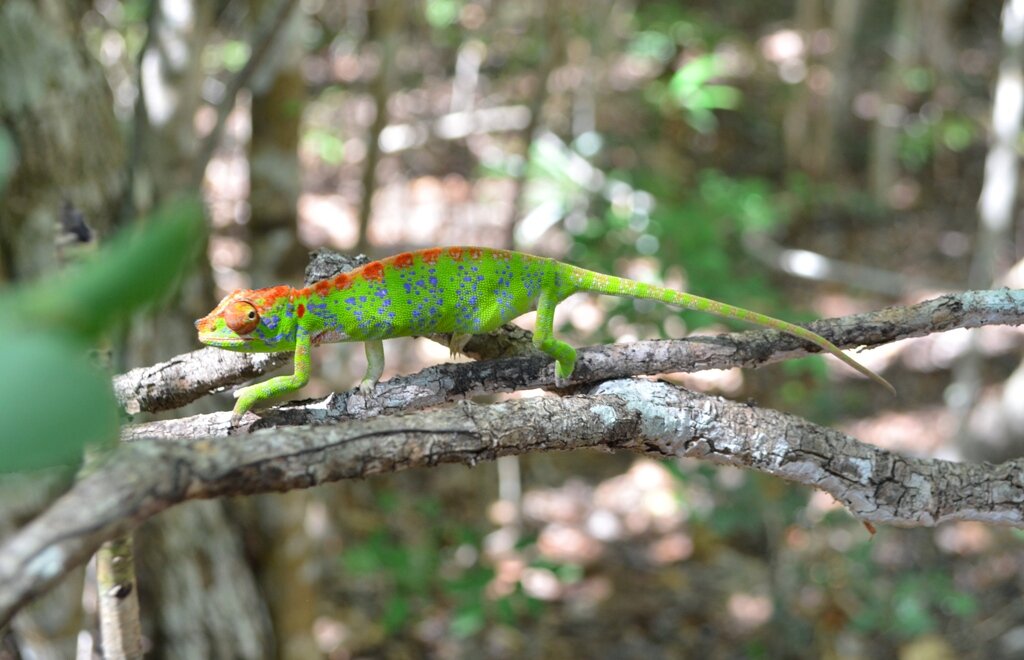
{"x": 459, "y": 291}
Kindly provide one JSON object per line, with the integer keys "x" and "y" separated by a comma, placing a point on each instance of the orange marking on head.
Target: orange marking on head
{"x": 323, "y": 287}
{"x": 271, "y": 295}
{"x": 403, "y": 260}
{"x": 373, "y": 271}
{"x": 301, "y": 311}
{"x": 432, "y": 255}
{"x": 475, "y": 253}
{"x": 455, "y": 253}
{"x": 342, "y": 281}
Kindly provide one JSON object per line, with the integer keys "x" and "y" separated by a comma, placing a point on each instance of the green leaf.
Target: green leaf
{"x": 467, "y": 622}
{"x": 53, "y": 401}
{"x": 133, "y": 270}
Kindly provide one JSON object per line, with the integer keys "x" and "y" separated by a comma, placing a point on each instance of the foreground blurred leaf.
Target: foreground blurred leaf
{"x": 133, "y": 270}
{"x": 53, "y": 399}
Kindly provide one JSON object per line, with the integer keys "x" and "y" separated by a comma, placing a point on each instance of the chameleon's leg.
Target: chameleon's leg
{"x": 374, "y": 364}
{"x": 564, "y": 354}
{"x": 457, "y": 342}
{"x": 248, "y": 396}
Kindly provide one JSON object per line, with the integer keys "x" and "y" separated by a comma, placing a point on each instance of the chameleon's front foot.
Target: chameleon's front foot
{"x": 366, "y": 386}
{"x": 247, "y": 398}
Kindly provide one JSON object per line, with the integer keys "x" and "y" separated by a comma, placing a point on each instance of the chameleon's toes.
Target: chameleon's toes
{"x": 562, "y": 375}
{"x": 366, "y": 386}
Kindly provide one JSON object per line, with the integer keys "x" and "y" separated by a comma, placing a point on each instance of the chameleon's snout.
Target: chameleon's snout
{"x": 204, "y": 325}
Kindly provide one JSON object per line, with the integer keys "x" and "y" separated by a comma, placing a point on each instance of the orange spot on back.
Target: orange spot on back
{"x": 455, "y": 253}
{"x": 301, "y": 311}
{"x": 323, "y": 287}
{"x": 403, "y": 260}
{"x": 431, "y": 256}
{"x": 373, "y": 271}
{"x": 475, "y": 253}
{"x": 342, "y": 281}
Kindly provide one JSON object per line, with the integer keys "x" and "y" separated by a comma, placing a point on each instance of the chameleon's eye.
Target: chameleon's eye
{"x": 241, "y": 317}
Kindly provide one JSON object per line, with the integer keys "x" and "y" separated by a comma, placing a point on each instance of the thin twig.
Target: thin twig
{"x": 260, "y": 48}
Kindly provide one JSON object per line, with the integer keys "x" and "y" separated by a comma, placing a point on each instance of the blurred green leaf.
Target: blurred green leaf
{"x": 54, "y": 401}
{"x": 468, "y": 621}
{"x": 396, "y": 614}
{"x": 133, "y": 270}
{"x": 442, "y": 13}
{"x": 328, "y": 146}
{"x": 235, "y": 55}
{"x": 690, "y": 88}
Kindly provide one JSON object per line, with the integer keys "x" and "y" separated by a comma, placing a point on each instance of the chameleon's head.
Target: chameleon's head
{"x": 251, "y": 320}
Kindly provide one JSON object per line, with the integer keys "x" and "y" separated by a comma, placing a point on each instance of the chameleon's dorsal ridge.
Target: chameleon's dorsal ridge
{"x": 456, "y": 290}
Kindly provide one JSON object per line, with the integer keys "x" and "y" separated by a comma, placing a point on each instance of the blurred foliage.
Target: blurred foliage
{"x": 422, "y": 573}
{"x": 54, "y": 399}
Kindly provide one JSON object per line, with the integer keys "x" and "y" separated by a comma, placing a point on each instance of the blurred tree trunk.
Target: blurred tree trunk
{"x": 992, "y": 428}
{"x": 58, "y": 110}
{"x": 199, "y": 595}
{"x": 905, "y": 47}
{"x": 847, "y": 17}
{"x": 279, "y": 98}
{"x": 286, "y": 558}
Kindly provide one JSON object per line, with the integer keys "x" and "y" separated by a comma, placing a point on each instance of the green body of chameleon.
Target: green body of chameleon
{"x": 457, "y": 290}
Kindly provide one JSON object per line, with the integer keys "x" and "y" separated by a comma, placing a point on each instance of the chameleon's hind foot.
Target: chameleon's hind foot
{"x": 457, "y": 342}
{"x": 563, "y": 373}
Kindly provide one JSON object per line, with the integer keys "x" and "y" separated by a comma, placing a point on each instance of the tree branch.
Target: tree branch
{"x": 532, "y": 369}
{"x": 143, "y": 478}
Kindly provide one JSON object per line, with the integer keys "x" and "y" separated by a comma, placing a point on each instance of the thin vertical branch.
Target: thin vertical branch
{"x": 118, "y": 606}
{"x": 120, "y": 630}
{"x": 259, "y": 51}
{"x": 139, "y": 125}
{"x": 551, "y": 49}
{"x": 904, "y": 44}
{"x": 847, "y": 17}
{"x": 383, "y": 28}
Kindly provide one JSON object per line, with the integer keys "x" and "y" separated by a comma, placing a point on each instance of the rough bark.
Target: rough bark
{"x": 58, "y": 109}
{"x": 143, "y": 478}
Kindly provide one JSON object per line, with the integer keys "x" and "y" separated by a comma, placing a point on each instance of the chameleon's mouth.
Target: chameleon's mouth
{"x": 220, "y": 341}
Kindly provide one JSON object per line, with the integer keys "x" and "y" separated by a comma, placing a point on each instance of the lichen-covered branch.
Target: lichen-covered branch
{"x": 142, "y": 478}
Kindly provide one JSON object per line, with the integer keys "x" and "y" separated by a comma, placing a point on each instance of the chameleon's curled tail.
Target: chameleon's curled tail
{"x": 585, "y": 280}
